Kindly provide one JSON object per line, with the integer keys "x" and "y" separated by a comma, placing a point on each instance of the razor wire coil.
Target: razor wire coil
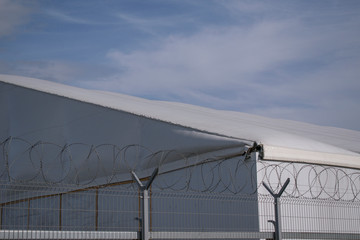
{"x": 84, "y": 164}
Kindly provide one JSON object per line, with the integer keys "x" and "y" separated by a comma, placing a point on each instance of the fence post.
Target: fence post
{"x": 144, "y": 189}
{"x": 277, "y": 222}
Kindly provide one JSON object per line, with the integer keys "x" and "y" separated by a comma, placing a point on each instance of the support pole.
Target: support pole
{"x": 145, "y": 215}
{"x": 144, "y": 189}
{"x": 277, "y": 222}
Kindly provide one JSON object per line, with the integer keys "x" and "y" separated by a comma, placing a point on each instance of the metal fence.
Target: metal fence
{"x": 114, "y": 212}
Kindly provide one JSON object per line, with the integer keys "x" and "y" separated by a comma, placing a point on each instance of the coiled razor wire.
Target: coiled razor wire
{"x": 83, "y": 164}
{"x": 311, "y": 181}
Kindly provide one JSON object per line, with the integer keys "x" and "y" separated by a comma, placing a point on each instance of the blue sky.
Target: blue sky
{"x": 297, "y": 60}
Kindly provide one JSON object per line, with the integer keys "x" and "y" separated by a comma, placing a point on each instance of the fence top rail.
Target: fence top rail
{"x": 39, "y": 234}
{"x": 35, "y": 234}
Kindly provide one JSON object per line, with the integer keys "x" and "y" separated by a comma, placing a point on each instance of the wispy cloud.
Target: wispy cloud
{"x": 51, "y": 70}
{"x": 142, "y": 22}
{"x": 294, "y": 60}
{"x": 284, "y": 67}
{"x": 73, "y": 73}
{"x": 61, "y": 16}
{"x": 215, "y": 58}
{"x": 12, "y": 15}
{"x": 154, "y": 25}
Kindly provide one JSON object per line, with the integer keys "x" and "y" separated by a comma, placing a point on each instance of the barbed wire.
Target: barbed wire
{"x": 89, "y": 165}
{"x": 310, "y": 180}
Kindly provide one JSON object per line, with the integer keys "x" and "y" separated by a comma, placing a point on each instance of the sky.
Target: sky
{"x": 296, "y": 60}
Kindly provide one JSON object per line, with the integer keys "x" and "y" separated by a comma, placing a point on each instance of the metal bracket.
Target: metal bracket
{"x": 281, "y": 190}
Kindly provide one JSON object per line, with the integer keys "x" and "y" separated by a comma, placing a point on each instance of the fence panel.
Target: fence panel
{"x": 50, "y": 208}
{"x": 113, "y": 212}
{"x": 315, "y": 215}
{"x": 203, "y": 212}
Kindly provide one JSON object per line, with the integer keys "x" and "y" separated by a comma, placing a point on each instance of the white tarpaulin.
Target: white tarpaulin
{"x": 91, "y": 135}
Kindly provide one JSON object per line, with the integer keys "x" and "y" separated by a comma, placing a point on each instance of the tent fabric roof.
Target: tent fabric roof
{"x": 282, "y": 140}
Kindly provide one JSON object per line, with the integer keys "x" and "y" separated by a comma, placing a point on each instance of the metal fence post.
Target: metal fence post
{"x": 145, "y": 234}
{"x": 277, "y": 222}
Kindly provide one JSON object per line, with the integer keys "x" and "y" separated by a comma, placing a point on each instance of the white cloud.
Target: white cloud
{"x": 276, "y": 67}
{"x": 143, "y": 23}
{"x": 225, "y": 58}
{"x": 12, "y": 15}
{"x": 157, "y": 26}
{"x": 289, "y": 62}
{"x": 73, "y": 73}
{"x": 50, "y": 70}
{"x": 68, "y": 18}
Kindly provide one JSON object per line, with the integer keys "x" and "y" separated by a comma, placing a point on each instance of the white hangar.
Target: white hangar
{"x": 55, "y": 135}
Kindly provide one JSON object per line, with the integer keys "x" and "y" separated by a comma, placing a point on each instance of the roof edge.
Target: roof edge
{"x": 275, "y": 153}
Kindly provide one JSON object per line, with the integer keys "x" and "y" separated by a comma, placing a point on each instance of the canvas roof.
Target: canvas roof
{"x": 282, "y": 140}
